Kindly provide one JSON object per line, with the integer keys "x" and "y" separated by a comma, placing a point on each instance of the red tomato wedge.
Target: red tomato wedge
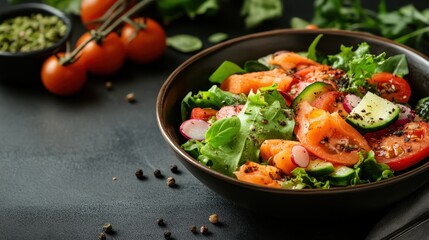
{"x": 392, "y": 87}
{"x": 203, "y": 113}
{"x": 402, "y": 147}
{"x": 328, "y": 136}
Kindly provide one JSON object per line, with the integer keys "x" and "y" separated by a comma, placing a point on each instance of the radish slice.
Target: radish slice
{"x": 405, "y": 115}
{"x": 350, "y": 102}
{"x": 300, "y": 156}
{"x": 194, "y": 129}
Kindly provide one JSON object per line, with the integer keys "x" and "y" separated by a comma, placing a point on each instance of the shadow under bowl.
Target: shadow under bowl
{"x": 363, "y": 199}
{"x": 24, "y": 67}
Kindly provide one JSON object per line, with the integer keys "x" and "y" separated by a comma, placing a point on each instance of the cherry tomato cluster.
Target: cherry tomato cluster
{"x": 103, "y": 53}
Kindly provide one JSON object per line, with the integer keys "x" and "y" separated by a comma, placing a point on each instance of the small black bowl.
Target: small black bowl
{"x": 24, "y": 67}
{"x": 340, "y": 202}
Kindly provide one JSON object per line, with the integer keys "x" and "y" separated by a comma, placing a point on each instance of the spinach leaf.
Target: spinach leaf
{"x": 184, "y": 43}
{"x": 226, "y": 69}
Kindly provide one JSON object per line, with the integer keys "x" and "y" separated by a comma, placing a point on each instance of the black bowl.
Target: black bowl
{"x": 193, "y": 75}
{"x": 24, "y": 67}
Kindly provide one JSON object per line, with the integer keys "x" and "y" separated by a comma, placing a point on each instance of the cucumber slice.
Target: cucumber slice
{"x": 311, "y": 92}
{"x": 373, "y": 113}
{"x": 319, "y": 167}
{"x": 341, "y": 176}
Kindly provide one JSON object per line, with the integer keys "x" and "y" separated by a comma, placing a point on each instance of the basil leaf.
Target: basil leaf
{"x": 298, "y": 23}
{"x": 257, "y": 11}
{"x": 223, "y": 131}
{"x": 225, "y": 70}
{"x": 217, "y": 37}
{"x": 185, "y": 43}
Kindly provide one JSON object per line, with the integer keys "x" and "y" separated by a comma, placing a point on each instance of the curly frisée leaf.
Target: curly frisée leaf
{"x": 223, "y": 131}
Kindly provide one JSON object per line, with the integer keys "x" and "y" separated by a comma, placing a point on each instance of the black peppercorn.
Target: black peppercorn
{"x": 107, "y": 228}
{"x": 173, "y": 169}
{"x": 193, "y": 228}
{"x": 157, "y": 173}
{"x": 160, "y": 222}
{"x": 139, "y": 174}
{"x": 167, "y": 235}
{"x": 102, "y": 236}
{"x": 204, "y": 229}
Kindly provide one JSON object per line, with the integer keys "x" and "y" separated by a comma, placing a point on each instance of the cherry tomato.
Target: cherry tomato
{"x": 91, "y": 10}
{"x": 392, "y": 87}
{"x": 63, "y": 80}
{"x": 103, "y": 58}
{"x": 144, "y": 45}
{"x": 402, "y": 147}
{"x": 328, "y": 136}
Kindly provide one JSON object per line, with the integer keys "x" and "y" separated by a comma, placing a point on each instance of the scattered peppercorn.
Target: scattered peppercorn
{"x": 114, "y": 178}
{"x": 108, "y": 85}
{"x": 214, "y": 218}
{"x": 157, "y": 173}
{"x": 139, "y": 174}
{"x": 173, "y": 168}
{"x": 107, "y": 228}
{"x": 171, "y": 181}
{"x": 102, "y": 236}
{"x": 130, "y": 98}
{"x": 193, "y": 228}
{"x": 160, "y": 222}
{"x": 167, "y": 235}
{"x": 204, "y": 229}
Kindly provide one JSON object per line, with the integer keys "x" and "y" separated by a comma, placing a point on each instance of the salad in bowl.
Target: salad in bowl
{"x": 300, "y": 120}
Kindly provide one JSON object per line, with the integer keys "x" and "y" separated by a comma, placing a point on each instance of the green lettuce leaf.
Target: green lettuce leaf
{"x": 264, "y": 116}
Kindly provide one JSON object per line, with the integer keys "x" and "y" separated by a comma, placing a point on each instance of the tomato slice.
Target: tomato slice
{"x": 203, "y": 113}
{"x": 328, "y": 136}
{"x": 311, "y": 74}
{"x": 392, "y": 87}
{"x": 403, "y": 147}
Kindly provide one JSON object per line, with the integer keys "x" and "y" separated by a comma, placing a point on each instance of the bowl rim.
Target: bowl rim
{"x": 28, "y": 8}
{"x": 195, "y": 163}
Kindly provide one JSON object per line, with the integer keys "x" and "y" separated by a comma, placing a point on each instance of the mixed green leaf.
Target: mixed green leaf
{"x": 406, "y": 24}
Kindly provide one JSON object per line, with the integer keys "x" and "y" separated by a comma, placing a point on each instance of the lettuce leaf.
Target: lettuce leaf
{"x": 264, "y": 116}
{"x": 213, "y": 98}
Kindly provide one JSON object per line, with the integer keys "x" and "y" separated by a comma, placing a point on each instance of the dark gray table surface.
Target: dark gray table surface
{"x": 58, "y": 158}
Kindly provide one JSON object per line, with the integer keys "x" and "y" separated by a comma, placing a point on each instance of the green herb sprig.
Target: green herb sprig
{"x": 405, "y": 25}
